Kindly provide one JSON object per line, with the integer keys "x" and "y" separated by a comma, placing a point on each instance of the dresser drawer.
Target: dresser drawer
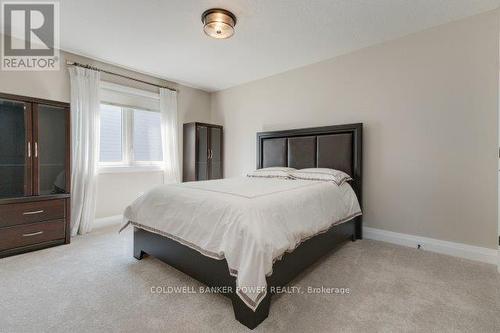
{"x": 29, "y": 212}
{"x": 29, "y": 234}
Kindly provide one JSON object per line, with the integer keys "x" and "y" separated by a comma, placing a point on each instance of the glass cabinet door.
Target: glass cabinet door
{"x": 51, "y": 147}
{"x": 215, "y": 153}
{"x": 15, "y": 149}
{"x": 202, "y": 153}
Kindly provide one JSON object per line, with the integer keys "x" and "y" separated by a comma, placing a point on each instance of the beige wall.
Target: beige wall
{"x": 115, "y": 191}
{"x": 428, "y": 103}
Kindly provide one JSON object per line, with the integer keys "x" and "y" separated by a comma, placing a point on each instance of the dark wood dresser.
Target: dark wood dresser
{"x": 34, "y": 174}
{"x": 202, "y": 156}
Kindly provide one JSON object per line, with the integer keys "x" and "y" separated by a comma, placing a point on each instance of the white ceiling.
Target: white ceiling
{"x": 165, "y": 38}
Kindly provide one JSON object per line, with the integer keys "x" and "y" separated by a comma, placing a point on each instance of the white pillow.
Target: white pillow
{"x": 323, "y": 174}
{"x": 273, "y": 172}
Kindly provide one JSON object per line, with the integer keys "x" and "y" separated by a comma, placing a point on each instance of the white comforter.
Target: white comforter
{"x": 249, "y": 221}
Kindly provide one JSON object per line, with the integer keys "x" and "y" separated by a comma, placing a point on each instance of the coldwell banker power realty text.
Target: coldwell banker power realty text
{"x": 30, "y": 36}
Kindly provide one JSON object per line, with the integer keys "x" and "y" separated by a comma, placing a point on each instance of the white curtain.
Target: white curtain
{"x": 169, "y": 136}
{"x": 85, "y": 127}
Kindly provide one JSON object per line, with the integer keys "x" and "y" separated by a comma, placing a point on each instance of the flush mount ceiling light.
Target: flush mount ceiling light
{"x": 218, "y": 23}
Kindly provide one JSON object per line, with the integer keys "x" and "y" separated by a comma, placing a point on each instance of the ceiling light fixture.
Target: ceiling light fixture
{"x": 218, "y": 23}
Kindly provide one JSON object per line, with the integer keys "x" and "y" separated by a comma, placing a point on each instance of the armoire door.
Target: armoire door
{"x": 202, "y": 153}
{"x": 15, "y": 149}
{"x": 51, "y": 149}
{"x": 215, "y": 153}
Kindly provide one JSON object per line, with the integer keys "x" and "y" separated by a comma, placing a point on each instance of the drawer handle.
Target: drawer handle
{"x": 33, "y": 234}
{"x": 33, "y": 212}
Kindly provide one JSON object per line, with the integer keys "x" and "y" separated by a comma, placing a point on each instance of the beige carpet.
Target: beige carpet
{"x": 95, "y": 284}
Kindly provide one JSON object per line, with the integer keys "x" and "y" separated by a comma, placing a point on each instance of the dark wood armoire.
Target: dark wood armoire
{"x": 34, "y": 174}
{"x": 202, "y": 156}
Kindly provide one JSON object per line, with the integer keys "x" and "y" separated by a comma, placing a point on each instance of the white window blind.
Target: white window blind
{"x": 147, "y": 136}
{"x": 111, "y": 134}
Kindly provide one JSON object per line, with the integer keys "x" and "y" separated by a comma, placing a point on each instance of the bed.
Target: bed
{"x": 247, "y": 236}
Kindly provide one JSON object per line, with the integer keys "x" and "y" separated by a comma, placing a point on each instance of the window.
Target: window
{"x": 147, "y": 136}
{"x": 111, "y": 134}
{"x": 130, "y": 138}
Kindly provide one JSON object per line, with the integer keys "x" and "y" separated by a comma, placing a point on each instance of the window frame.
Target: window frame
{"x": 128, "y": 164}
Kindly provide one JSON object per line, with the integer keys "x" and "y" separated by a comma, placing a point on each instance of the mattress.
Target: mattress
{"x": 250, "y": 222}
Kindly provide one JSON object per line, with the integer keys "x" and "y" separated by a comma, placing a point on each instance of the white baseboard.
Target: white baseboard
{"x": 460, "y": 250}
{"x": 107, "y": 221}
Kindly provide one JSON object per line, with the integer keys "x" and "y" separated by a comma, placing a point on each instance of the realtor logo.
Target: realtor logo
{"x": 30, "y": 36}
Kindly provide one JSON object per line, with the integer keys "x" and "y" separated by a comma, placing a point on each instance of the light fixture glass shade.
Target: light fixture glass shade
{"x": 218, "y": 23}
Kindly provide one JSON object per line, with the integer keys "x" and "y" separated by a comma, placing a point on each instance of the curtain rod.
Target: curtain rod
{"x": 77, "y": 64}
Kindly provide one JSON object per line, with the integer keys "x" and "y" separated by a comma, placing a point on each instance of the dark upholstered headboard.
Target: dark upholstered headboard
{"x": 337, "y": 147}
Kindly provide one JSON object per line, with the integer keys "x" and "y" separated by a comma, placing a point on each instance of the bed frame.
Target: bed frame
{"x": 338, "y": 147}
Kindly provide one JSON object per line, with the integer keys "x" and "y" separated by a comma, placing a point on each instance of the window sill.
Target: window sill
{"x": 130, "y": 169}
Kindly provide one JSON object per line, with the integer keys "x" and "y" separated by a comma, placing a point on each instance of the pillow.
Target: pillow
{"x": 273, "y": 172}
{"x": 324, "y": 174}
